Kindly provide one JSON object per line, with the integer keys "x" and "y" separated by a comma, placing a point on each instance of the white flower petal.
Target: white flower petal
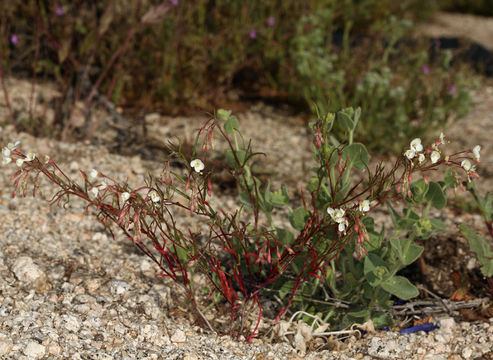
{"x": 125, "y": 196}
{"x": 30, "y": 156}
{"x": 421, "y": 158}
{"x": 476, "y": 151}
{"x": 416, "y": 145}
{"x": 19, "y": 162}
{"x": 6, "y": 160}
{"x": 410, "y": 153}
{"x": 6, "y": 152}
{"x": 466, "y": 164}
{"x": 155, "y": 197}
{"x": 197, "y": 164}
{"x": 94, "y": 190}
{"x": 93, "y": 174}
{"x": 435, "y": 156}
{"x": 364, "y": 206}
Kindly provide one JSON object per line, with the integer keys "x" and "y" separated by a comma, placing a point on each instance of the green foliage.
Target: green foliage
{"x": 190, "y": 55}
{"x": 480, "y": 247}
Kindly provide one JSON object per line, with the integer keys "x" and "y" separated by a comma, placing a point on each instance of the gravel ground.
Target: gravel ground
{"x": 70, "y": 291}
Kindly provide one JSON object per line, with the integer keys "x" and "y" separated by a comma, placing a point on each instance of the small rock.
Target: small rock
{"x": 179, "y": 337}
{"x": 191, "y": 356}
{"x": 25, "y": 270}
{"x": 119, "y": 287}
{"x": 5, "y": 346}
{"x": 466, "y": 353}
{"x": 447, "y": 325}
{"x": 34, "y": 350}
{"x": 74, "y": 166}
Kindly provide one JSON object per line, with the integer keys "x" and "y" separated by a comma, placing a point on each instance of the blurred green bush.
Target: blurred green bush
{"x": 179, "y": 56}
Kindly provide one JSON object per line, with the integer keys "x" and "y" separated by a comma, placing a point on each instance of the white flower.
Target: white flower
{"x": 336, "y": 214}
{"x": 103, "y": 185}
{"x": 94, "y": 190}
{"x": 30, "y": 156}
{"x": 12, "y": 146}
{"x": 93, "y": 174}
{"x": 154, "y": 197}
{"x": 364, "y": 206}
{"x": 466, "y": 164}
{"x": 435, "y": 156}
{"x": 19, "y": 162}
{"x": 476, "y": 151}
{"x": 416, "y": 145}
{"x": 421, "y": 158}
{"x": 342, "y": 225}
{"x": 6, "y": 152}
{"x": 410, "y": 153}
{"x": 442, "y": 138}
{"x": 125, "y": 196}
{"x": 197, "y": 164}
{"x": 6, "y": 160}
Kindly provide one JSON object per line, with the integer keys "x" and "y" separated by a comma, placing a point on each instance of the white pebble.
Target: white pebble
{"x": 179, "y": 336}
{"x": 25, "y": 270}
{"x": 34, "y": 350}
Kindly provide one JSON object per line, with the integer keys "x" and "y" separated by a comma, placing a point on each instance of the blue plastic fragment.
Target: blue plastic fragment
{"x": 423, "y": 327}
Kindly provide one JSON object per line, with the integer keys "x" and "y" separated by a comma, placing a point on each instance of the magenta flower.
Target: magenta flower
{"x": 452, "y": 90}
{"x": 14, "y": 39}
{"x": 271, "y": 21}
{"x": 174, "y": 2}
{"x": 425, "y": 69}
{"x": 253, "y": 34}
{"x": 59, "y": 11}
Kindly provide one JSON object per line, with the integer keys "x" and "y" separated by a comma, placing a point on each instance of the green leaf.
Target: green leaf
{"x": 450, "y": 179}
{"x": 381, "y": 319}
{"x": 285, "y": 236}
{"x": 231, "y": 125}
{"x": 375, "y": 269}
{"x": 286, "y": 288}
{"x": 419, "y": 189}
{"x": 345, "y": 119}
{"x": 407, "y": 250}
{"x": 280, "y": 197}
{"x": 436, "y": 196}
{"x": 299, "y": 217}
{"x": 223, "y": 114}
{"x": 401, "y": 287}
{"x": 357, "y": 154}
{"x": 231, "y": 161}
{"x": 480, "y": 247}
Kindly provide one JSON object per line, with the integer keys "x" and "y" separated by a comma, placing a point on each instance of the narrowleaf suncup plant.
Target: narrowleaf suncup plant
{"x": 328, "y": 259}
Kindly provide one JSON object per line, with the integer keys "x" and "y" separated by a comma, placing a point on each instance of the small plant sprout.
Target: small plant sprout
{"x": 364, "y": 206}
{"x": 197, "y": 165}
{"x": 435, "y": 156}
{"x": 476, "y": 151}
{"x": 155, "y": 197}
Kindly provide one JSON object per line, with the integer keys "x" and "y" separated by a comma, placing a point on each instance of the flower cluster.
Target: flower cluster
{"x": 416, "y": 149}
{"x": 7, "y": 152}
{"x": 338, "y": 216}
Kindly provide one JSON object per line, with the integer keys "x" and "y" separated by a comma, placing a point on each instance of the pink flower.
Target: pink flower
{"x": 425, "y": 69}
{"x": 452, "y": 90}
{"x": 59, "y": 11}
{"x": 271, "y": 21}
{"x": 14, "y": 39}
{"x": 253, "y": 34}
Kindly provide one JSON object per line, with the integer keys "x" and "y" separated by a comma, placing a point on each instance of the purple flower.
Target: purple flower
{"x": 271, "y": 21}
{"x": 437, "y": 42}
{"x": 452, "y": 90}
{"x": 174, "y": 2}
{"x": 59, "y": 11}
{"x": 425, "y": 69}
{"x": 253, "y": 34}
{"x": 14, "y": 39}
